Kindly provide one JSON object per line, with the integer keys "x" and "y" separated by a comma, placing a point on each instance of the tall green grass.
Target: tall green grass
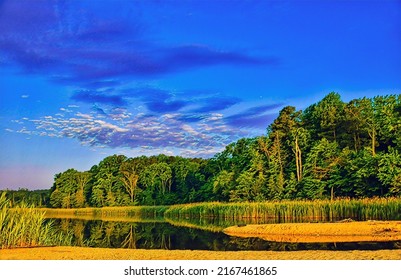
{"x": 293, "y": 211}
{"x": 25, "y": 226}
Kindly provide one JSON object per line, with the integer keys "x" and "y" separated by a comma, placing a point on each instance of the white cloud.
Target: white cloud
{"x": 167, "y": 133}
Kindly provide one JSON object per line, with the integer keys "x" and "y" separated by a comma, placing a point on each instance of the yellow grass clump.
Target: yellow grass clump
{"x": 25, "y": 226}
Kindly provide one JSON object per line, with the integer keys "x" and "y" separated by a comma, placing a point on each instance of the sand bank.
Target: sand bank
{"x": 321, "y": 232}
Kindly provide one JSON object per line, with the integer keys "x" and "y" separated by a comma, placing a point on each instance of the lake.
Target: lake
{"x": 184, "y": 235}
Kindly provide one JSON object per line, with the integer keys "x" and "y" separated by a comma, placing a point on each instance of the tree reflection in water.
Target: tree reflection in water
{"x": 78, "y": 229}
{"x": 131, "y": 238}
{"x": 163, "y": 235}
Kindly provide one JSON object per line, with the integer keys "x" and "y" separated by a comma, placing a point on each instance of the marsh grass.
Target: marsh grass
{"x": 293, "y": 211}
{"x": 143, "y": 212}
{"x": 25, "y": 226}
{"x": 252, "y": 212}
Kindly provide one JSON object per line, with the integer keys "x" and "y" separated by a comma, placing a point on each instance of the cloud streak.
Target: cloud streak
{"x": 78, "y": 48}
{"x": 157, "y": 100}
{"x": 254, "y": 117}
{"x": 87, "y": 96}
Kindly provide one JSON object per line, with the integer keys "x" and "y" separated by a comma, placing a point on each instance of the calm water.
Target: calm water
{"x": 164, "y": 235}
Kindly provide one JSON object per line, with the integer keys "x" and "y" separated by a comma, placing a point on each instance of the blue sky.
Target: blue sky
{"x": 81, "y": 80}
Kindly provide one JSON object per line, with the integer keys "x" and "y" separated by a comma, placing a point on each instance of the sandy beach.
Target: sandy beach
{"x": 79, "y": 253}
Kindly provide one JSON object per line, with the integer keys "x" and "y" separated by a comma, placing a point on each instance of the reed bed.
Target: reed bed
{"x": 125, "y": 219}
{"x": 147, "y": 212}
{"x": 25, "y": 226}
{"x": 294, "y": 211}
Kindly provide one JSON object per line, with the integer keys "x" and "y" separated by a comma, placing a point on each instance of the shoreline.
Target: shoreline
{"x": 85, "y": 253}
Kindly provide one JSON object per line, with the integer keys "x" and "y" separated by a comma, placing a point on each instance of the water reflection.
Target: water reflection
{"x": 163, "y": 235}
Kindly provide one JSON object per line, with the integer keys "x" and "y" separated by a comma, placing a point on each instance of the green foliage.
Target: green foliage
{"x": 389, "y": 172}
{"x": 23, "y": 196}
{"x": 320, "y": 163}
{"x": 361, "y": 174}
{"x": 328, "y": 116}
{"x": 107, "y": 187}
{"x": 223, "y": 183}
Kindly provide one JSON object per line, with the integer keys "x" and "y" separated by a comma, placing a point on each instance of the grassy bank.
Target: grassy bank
{"x": 25, "y": 226}
{"x": 148, "y": 212}
{"x": 293, "y": 211}
{"x": 255, "y": 212}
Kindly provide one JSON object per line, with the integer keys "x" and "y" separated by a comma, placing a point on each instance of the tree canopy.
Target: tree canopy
{"x": 330, "y": 149}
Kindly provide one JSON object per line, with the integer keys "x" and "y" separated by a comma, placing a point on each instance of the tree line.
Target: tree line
{"x": 24, "y": 196}
{"x": 330, "y": 149}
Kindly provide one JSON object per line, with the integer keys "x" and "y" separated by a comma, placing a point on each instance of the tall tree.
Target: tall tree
{"x": 371, "y": 125}
{"x": 354, "y": 123}
{"x": 107, "y": 187}
{"x": 82, "y": 178}
{"x": 299, "y": 137}
{"x": 329, "y": 114}
{"x": 320, "y": 163}
{"x": 388, "y": 114}
{"x": 389, "y": 172}
{"x": 223, "y": 183}
{"x": 65, "y": 188}
{"x": 130, "y": 177}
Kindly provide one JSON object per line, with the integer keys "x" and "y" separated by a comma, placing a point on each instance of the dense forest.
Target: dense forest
{"x": 331, "y": 149}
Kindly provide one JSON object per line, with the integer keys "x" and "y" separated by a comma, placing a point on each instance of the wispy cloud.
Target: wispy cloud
{"x": 139, "y": 131}
{"x": 215, "y": 103}
{"x": 157, "y": 100}
{"x": 258, "y": 116}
